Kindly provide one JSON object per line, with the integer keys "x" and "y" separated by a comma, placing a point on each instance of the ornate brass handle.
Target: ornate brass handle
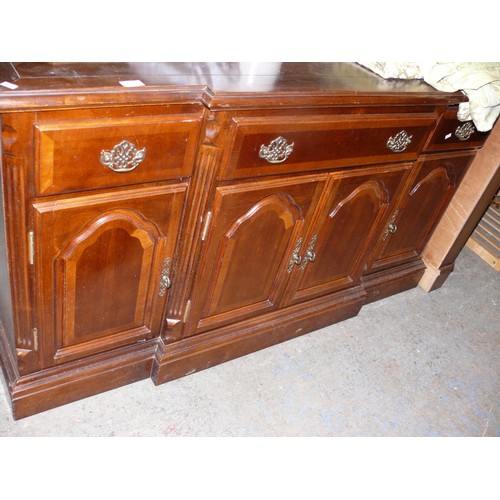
{"x": 277, "y": 151}
{"x": 295, "y": 260}
{"x": 391, "y": 227}
{"x": 165, "y": 281}
{"x": 463, "y": 132}
{"x": 310, "y": 255}
{"x": 399, "y": 142}
{"x": 124, "y": 157}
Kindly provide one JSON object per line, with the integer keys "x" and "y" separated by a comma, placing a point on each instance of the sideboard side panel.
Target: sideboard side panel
{"x": 473, "y": 196}
{"x": 6, "y": 317}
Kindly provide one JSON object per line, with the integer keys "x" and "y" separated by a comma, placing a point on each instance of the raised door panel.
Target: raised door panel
{"x": 412, "y": 222}
{"x": 99, "y": 263}
{"x": 339, "y": 245}
{"x": 254, "y": 232}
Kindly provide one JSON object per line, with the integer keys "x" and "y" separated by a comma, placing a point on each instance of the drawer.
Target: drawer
{"x": 451, "y": 133}
{"x": 274, "y": 145}
{"x": 92, "y": 153}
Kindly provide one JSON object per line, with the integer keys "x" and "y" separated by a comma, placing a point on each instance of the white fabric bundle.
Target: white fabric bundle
{"x": 479, "y": 81}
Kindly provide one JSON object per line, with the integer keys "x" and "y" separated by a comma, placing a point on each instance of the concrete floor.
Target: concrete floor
{"x": 414, "y": 364}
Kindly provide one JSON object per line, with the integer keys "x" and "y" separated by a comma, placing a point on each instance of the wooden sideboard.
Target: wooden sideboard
{"x": 158, "y": 219}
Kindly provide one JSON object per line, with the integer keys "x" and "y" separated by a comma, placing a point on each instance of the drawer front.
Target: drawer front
{"x": 78, "y": 155}
{"x": 451, "y": 133}
{"x": 274, "y": 145}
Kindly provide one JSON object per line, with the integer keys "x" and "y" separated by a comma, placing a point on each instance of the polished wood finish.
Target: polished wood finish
{"x": 205, "y": 250}
{"x": 55, "y": 386}
{"x": 69, "y": 148}
{"x": 323, "y": 141}
{"x": 356, "y": 208}
{"x": 432, "y": 185}
{"x": 251, "y": 241}
{"x": 219, "y": 85}
{"x": 445, "y": 135}
{"x": 98, "y": 264}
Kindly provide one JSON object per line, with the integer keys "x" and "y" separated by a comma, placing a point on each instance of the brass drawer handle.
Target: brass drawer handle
{"x": 463, "y": 132}
{"x": 277, "y": 151}
{"x": 400, "y": 142}
{"x": 124, "y": 157}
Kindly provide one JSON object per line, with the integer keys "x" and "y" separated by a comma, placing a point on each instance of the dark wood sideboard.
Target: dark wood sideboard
{"x": 194, "y": 213}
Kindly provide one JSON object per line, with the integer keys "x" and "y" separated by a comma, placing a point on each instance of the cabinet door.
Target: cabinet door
{"x": 339, "y": 244}
{"x": 256, "y": 228}
{"x": 100, "y": 268}
{"x": 413, "y": 220}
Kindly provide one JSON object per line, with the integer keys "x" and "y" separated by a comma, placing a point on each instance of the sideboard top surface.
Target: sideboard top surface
{"x": 217, "y": 85}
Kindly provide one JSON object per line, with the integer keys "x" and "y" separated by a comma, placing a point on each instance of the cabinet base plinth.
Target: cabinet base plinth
{"x": 212, "y": 348}
{"x": 71, "y": 382}
{"x": 386, "y": 283}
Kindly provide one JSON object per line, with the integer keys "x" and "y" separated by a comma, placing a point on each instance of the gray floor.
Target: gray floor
{"x": 415, "y": 364}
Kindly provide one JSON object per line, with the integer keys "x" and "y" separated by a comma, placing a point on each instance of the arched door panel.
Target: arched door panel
{"x": 99, "y": 261}
{"x": 339, "y": 245}
{"x": 420, "y": 209}
{"x": 253, "y": 233}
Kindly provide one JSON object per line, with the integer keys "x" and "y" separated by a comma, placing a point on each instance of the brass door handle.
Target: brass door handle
{"x": 165, "y": 281}
{"x": 391, "y": 227}
{"x": 295, "y": 260}
{"x": 310, "y": 255}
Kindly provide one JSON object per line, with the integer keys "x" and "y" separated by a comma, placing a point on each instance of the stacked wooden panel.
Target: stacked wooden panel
{"x": 485, "y": 240}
